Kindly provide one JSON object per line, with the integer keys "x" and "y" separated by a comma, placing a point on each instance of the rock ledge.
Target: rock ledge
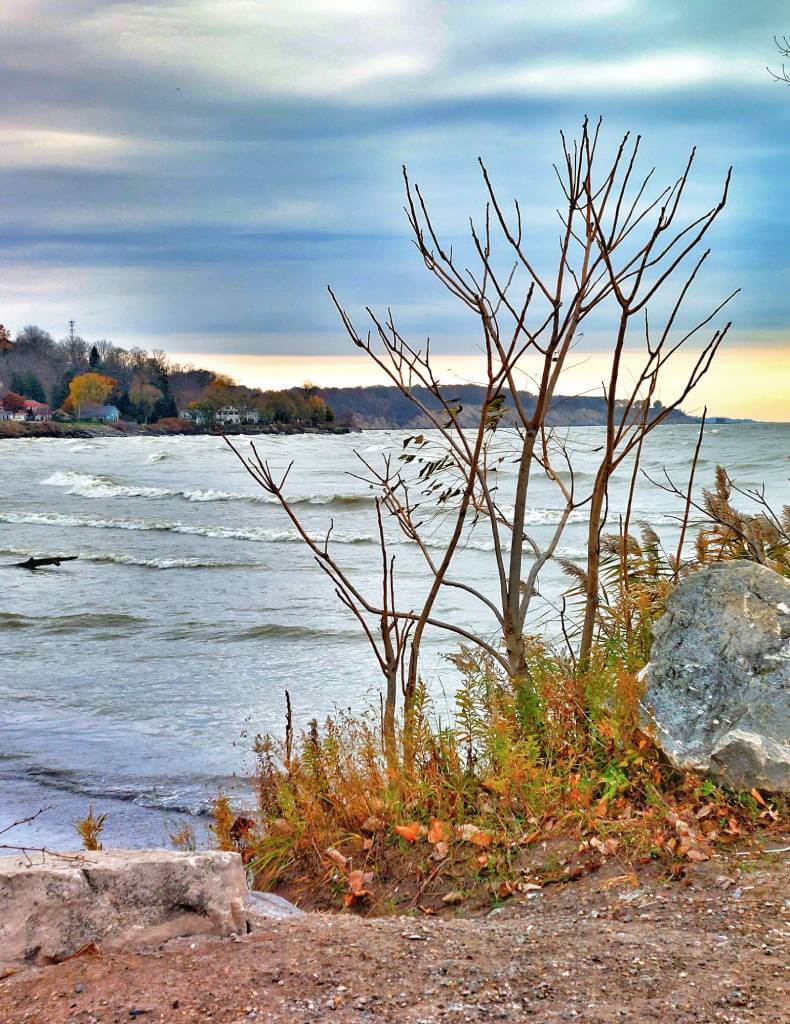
{"x": 51, "y": 906}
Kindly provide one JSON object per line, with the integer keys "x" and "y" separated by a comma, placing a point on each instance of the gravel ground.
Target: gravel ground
{"x": 710, "y": 948}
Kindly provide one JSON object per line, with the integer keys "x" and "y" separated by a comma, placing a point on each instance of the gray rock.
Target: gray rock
{"x": 51, "y": 907}
{"x": 718, "y": 683}
{"x": 266, "y": 905}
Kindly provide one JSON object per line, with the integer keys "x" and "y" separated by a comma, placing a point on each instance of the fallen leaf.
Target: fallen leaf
{"x": 529, "y": 887}
{"x": 439, "y": 832}
{"x": 482, "y": 860}
{"x": 89, "y": 949}
{"x": 694, "y": 853}
{"x": 440, "y": 851}
{"x": 411, "y": 833}
{"x": 372, "y": 824}
{"x": 337, "y": 857}
{"x": 452, "y": 899}
{"x": 358, "y": 882}
{"x": 757, "y": 796}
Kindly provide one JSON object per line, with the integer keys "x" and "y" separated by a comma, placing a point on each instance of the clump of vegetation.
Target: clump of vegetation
{"x": 522, "y": 789}
{"x": 90, "y": 828}
{"x": 524, "y": 786}
{"x": 543, "y": 771}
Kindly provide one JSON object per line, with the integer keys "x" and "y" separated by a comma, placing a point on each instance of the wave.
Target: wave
{"x": 194, "y": 797}
{"x": 64, "y": 624}
{"x": 255, "y": 534}
{"x": 259, "y": 535}
{"x": 113, "y": 557}
{"x": 86, "y": 485}
{"x": 275, "y": 631}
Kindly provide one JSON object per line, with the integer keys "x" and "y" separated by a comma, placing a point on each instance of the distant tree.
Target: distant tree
{"x": 35, "y": 340}
{"x": 75, "y": 351}
{"x": 27, "y": 383}
{"x": 144, "y": 397}
{"x": 783, "y": 45}
{"x": 6, "y": 344}
{"x": 318, "y": 409}
{"x": 13, "y": 402}
{"x": 60, "y": 390}
{"x": 89, "y": 389}
{"x": 94, "y": 359}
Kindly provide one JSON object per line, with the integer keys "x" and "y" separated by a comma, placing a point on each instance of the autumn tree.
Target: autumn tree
{"x": 145, "y": 396}
{"x": 13, "y": 402}
{"x": 89, "y": 389}
{"x": 6, "y": 344}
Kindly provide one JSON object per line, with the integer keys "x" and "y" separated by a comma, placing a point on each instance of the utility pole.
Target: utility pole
{"x": 71, "y": 331}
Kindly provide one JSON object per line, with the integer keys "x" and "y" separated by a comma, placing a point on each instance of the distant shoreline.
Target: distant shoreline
{"x": 51, "y": 428}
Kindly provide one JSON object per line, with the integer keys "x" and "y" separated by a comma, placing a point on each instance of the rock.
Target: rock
{"x": 266, "y": 905}
{"x": 718, "y": 683}
{"x": 52, "y": 907}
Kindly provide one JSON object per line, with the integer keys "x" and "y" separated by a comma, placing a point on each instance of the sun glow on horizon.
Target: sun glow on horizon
{"x": 743, "y": 382}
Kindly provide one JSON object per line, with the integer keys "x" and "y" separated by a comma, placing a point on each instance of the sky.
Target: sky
{"x": 191, "y": 174}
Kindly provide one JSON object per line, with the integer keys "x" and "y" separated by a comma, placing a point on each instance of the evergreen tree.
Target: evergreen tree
{"x": 94, "y": 359}
{"x": 26, "y": 383}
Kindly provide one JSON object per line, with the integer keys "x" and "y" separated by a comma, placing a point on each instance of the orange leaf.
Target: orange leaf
{"x": 411, "y": 833}
{"x": 756, "y": 794}
{"x": 482, "y": 839}
{"x": 439, "y": 832}
{"x": 695, "y": 854}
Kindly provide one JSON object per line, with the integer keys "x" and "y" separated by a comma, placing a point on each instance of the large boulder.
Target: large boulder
{"x": 718, "y": 684}
{"x": 52, "y": 906}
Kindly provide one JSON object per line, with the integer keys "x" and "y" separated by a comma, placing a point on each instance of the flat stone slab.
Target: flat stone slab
{"x": 52, "y": 906}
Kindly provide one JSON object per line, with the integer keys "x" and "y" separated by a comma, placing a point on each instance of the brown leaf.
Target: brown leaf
{"x": 89, "y": 949}
{"x": 440, "y": 851}
{"x": 694, "y": 853}
{"x": 372, "y": 824}
{"x": 337, "y": 857}
{"x": 452, "y": 899}
{"x": 758, "y": 797}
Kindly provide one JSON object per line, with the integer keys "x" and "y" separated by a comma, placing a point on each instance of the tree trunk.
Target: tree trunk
{"x": 593, "y": 568}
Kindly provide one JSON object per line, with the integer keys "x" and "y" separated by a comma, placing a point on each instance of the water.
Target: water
{"x": 135, "y": 677}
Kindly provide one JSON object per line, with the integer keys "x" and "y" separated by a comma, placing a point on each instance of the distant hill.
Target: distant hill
{"x": 382, "y": 407}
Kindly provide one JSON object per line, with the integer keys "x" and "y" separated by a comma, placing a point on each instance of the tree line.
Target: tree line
{"x": 72, "y": 374}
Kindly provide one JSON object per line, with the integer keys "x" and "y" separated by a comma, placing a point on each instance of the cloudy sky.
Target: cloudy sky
{"x": 190, "y": 174}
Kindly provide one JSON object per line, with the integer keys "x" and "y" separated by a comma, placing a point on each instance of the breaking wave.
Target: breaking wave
{"x": 86, "y": 485}
{"x": 256, "y": 534}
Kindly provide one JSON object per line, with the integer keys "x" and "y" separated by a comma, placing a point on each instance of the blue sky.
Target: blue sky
{"x": 192, "y": 173}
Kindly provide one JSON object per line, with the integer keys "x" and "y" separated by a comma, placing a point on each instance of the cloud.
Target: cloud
{"x": 202, "y": 169}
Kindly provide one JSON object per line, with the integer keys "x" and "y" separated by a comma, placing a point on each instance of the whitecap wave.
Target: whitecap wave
{"x": 87, "y": 485}
{"x": 256, "y": 534}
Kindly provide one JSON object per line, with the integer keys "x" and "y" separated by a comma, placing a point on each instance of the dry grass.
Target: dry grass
{"x": 529, "y": 783}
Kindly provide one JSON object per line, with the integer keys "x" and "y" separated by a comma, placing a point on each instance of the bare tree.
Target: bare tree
{"x": 618, "y": 252}
{"x": 783, "y": 45}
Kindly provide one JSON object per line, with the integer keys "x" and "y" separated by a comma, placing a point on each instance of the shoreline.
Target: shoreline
{"x": 10, "y": 429}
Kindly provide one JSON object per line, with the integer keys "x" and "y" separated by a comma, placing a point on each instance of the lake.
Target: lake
{"x": 135, "y": 677}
